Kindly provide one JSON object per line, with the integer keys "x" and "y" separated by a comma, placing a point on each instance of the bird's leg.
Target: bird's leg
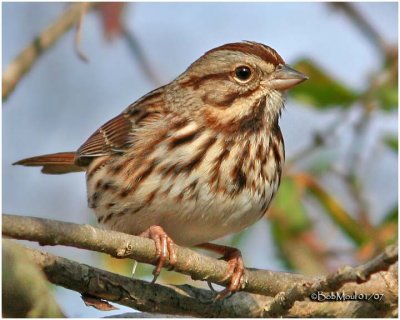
{"x": 235, "y": 270}
{"x": 164, "y": 248}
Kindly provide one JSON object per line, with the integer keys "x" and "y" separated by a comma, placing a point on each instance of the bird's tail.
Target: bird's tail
{"x": 55, "y": 163}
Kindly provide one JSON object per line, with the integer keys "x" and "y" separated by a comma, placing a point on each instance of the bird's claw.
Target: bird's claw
{"x": 164, "y": 248}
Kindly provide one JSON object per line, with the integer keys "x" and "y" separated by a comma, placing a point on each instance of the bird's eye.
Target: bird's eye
{"x": 242, "y": 73}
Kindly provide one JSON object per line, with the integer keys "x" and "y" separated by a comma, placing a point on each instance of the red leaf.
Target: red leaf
{"x": 111, "y": 15}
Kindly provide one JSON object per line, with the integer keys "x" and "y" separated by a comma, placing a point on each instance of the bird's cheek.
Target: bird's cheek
{"x": 217, "y": 99}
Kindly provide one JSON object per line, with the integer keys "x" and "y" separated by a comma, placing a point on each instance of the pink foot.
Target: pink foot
{"x": 164, "y": 248}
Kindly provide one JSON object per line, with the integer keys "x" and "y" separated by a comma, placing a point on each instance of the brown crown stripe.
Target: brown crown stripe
{"x": 198, "y": 158}
{"x": 185, "y": 138}
{"x": 264, "y": 52}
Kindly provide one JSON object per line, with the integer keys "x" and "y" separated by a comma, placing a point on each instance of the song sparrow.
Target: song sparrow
{"x": 194, "y": 160}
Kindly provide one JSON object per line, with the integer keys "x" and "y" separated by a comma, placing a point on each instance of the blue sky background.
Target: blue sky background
{"x": 63, "y": 100}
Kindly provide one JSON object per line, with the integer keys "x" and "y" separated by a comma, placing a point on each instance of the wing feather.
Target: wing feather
{"x": 117, "y": 135}
{"x": 113, "y": 136}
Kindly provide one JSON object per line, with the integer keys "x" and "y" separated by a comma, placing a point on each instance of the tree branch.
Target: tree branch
{"x": 25, "y": 60}
{"x": 363, "y": 25}
{"x": 333, "y": 282}
{"x": 190, "y": 301}
{"x": 121, "y": 245}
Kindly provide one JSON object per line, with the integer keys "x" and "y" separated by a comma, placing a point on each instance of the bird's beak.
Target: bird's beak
{"x": 284, "y": 77}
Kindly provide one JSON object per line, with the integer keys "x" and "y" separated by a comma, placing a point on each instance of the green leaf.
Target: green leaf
{"x": 321, "y": 90}
{"x": 289, "y": 213}
{"x": 339, "y": 215}
{"x": 291, "y": 230}
{"x": 392, "y": 216}
{"x": 392, "y": 142}
{"x": 388, "y": 97}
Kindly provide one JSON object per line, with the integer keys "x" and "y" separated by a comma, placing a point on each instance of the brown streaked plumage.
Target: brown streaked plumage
{"x": 194, "y": 160}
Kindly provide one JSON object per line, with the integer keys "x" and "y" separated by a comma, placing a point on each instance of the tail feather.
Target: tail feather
{"x": 55, "y": 163}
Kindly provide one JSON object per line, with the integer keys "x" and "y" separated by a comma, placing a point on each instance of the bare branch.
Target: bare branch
{"x": 121, "y": 245}
{"x": 78, "y": 34}
{"x": 333, "y": 282}
{"x": 363, "y": 24}
{"x": 189, "y": 301}
{"x": 25, "y": 60}
{"x": 137, "y": 51}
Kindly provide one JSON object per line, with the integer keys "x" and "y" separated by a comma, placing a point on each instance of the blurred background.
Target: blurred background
{"x": 338, "y": 200}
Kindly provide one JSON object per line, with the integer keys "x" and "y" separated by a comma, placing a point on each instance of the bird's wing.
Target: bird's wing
{"x": 117, "y": 135}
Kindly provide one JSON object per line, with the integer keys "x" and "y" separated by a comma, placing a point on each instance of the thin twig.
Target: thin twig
{"x": 320, "y": 138}
{"x": 363, "y": 25}
{"x": 285, "y": 301}
{"x": 78, "y": 34}
{"x": 137, "y": 51}
{"x": 26, "y": 59}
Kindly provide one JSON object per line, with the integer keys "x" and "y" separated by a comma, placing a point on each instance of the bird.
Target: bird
{"x": 194, "y": 160}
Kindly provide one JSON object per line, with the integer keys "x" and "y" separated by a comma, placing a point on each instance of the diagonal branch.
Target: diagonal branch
{"x": 25, "y": 60}
{"x": 363, "y": 25}
{"x": 333, "y": 282}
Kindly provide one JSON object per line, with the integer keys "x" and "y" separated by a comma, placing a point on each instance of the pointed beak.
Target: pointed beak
{"x": 284, "y": 77}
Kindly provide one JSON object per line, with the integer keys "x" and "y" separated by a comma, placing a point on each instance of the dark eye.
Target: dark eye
{"x": 243, "y": 73}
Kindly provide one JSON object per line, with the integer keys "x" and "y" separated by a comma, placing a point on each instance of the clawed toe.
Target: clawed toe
{"x": 235, "y": 271}
{"x": 164, "y": 248}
